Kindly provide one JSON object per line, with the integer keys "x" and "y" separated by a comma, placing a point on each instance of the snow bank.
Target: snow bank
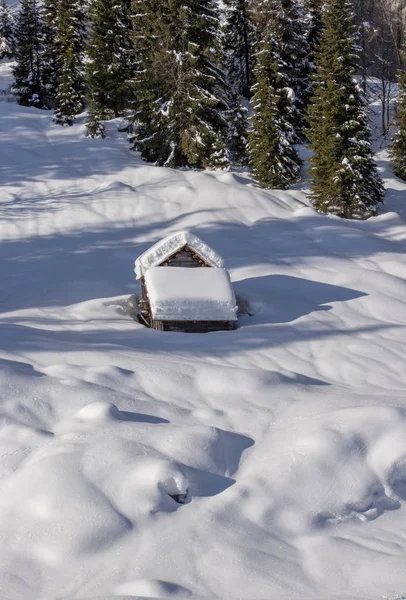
{"x": 163, "y": 249}
{"x": 182, "y": 294}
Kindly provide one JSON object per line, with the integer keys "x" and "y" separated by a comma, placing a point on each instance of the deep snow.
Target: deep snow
{"x": 287, "y": 436}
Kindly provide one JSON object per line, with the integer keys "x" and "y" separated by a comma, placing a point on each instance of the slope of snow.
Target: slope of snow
{"x": 265, "y": 462}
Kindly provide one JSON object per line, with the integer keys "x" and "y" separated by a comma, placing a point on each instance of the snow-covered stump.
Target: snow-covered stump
{"x": 177, "y": 295}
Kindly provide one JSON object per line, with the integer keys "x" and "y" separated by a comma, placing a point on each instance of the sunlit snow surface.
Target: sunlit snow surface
{"x": 258, "y": 464}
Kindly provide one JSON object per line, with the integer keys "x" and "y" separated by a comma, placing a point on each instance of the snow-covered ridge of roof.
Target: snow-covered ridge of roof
{"x": 163, "y": 249}
{"x": 182, "y": 294}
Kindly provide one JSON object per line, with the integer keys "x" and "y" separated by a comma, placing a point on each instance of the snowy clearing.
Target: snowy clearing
{"x": 263, "y": 463}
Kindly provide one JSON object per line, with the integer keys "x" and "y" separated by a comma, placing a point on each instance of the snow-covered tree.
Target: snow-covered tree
{"x": 147, "y": 40}
{"x": 51, "y": 54}
{"x": 28, "y": 72}
{"x": 110, "y": 62}
{"x": 238, "y": 37}
{"x": 71, "y": 19}
{"x": 284, "y": 20}
{"x": 237, "y": 131}
{"x": 345, "y": 178}
{"x": 312, "y": 11}
{"x": 398, "y": 150}
{"x": 181, "y": 91}
{"x": 6, "y": 31}
{"x": 273, "y": 156}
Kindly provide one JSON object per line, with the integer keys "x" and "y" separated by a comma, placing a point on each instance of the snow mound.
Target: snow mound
{"x": 163, "y": 249}
{"x": 99, "y": 411}
{"x": 182, "y": 294}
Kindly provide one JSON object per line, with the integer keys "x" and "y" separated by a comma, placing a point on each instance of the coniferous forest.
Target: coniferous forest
{"x": 209, "y": 85}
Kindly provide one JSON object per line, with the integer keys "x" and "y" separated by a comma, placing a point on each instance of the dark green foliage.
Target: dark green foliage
{"x": 238, "y": 38}
{"x": 6, "y": 31}
{"x": 110, "y": 62}
{"x": 273, "y": 157}
{"x": 95, "y": 126}
{"x": 398, "y": 150}
{"x": 178, "y": 84}
{"x": 313, "y": 24}
{"x": 70, "y": 42}
{"x": 51, "y": 54}
{"x": 237, "y": 137}
{"x": 313, "y": 28}
{"x": 284, "y": 21}
{"x": 146, "y": 37}
{"x": 345, "y": 178}
{"x": 28, "y": 72}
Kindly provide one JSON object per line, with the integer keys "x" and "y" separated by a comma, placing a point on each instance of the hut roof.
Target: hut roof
{"x": 165, "y": 248}
{"x": 182, "y": 294}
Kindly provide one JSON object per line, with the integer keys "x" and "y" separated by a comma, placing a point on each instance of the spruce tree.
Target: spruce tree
{"x": 273, "y": 156}
{"x": 147, "y": 41}
{"x": 28, "y": 72}
{"x": 284, "y": 20}
{"x": 237, "y": 133}
{"x": 238, "y": 37}
{"x": 398, "y": 150}
{"x": 109, "y": 68}
{"x": 51, "y": 53}
{"x": 182, "y": 122}
{"x": 6, "y": 31}
{"x": 70, "y": 42}
{"x": 312, "y": 11}
{"x": 345, "y": 178}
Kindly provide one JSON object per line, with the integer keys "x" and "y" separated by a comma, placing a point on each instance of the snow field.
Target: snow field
{"x": 266, "y": 462}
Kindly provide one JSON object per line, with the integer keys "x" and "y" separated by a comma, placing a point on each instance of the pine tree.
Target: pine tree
{"x": 284, "y": 20}
{"x": 6, "y": 31}
{"x": 313, "y": 28}
{"x": 273, "y": 156}
{"x": 313, "y": 25}
{"x": 237, "y": 135}
{"x": 238, "y": 38}
{"x": 28, "y": 72}
{"x": 51, "y": 53}
{"x": 110, "y": 62}
{"x": 181, "y": 122}
{"x": 147, "y": 41}
{"x": 345, "y": 178}
{"x": 70, "y": 42}
{"x": 398, "y": 150}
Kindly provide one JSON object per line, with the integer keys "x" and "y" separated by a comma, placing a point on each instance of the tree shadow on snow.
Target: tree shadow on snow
{"x": 89, "y": 263}
{"x": 283, "y": 298}
{"x": 94, "y": 263}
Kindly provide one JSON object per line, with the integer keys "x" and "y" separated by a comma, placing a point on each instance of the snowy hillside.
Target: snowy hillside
{"x": 287, "y": 436}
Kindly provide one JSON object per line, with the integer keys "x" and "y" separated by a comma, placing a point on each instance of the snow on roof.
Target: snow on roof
{"x": 163, "y": 249}
{"x": 183, "y": 294}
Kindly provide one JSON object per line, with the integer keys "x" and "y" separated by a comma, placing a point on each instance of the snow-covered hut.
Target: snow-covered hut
{"x": 177, "y": 296}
